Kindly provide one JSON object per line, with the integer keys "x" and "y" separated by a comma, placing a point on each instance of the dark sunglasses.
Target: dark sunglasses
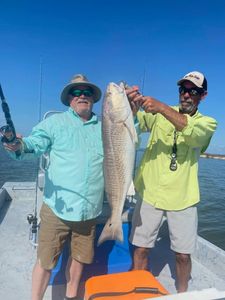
{"x": 78, "y": 93}
{"x": 191, "y": 91}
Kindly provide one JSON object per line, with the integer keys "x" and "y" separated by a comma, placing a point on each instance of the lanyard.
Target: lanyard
{"x": 173, "y": 163}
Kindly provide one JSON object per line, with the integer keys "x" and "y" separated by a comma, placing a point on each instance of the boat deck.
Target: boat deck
{"x": 17, "y": 256}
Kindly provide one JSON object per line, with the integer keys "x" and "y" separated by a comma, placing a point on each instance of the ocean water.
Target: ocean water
{"x": 212, "y": 187}
{"x": 212, "y": 204}
{"x": 11, "y": 170}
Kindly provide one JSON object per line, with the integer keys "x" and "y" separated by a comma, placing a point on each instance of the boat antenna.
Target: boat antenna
{"x": 40, "y": 90}
{"x": 32, "y": 218}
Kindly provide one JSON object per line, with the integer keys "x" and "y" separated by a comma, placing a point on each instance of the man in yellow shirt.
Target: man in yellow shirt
{"x": 167, "y": 179}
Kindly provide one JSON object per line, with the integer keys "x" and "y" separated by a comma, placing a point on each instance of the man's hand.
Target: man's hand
{"x": 17, "y": 145}
{"x": 151, "y": 105}
{"x": 134, "y": 98}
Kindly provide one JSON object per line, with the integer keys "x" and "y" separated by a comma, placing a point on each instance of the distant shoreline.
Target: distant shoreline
{"x": 214, "y": 156}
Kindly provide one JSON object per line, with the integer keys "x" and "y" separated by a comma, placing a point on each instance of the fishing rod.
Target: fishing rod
{"x": 8, "y": 131}
{"x": 142, "y": 93}
{"x": 32, "y": 218}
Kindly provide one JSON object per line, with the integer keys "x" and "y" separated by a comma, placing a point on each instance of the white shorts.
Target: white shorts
{"x": 182, "y": 224}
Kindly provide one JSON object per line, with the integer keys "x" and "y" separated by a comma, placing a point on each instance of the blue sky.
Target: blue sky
{"x": 110, "y": 41}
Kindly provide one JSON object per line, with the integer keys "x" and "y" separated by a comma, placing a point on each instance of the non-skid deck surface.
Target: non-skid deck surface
{"x": 17, "y": 256}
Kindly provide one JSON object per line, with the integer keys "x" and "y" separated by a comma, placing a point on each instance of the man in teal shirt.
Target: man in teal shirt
{"x": 167, "y": 178}
{"x": 74, "y": 184}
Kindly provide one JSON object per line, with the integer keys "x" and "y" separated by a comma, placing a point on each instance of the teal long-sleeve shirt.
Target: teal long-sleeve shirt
{"x": 74, "y": 181}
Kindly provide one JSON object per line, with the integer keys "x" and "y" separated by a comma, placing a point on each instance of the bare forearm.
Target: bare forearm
{"x": 151, "y": 105}
{"x": 177, "y": 119}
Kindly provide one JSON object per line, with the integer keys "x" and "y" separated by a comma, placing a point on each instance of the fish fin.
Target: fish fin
{"x": 132, "y": 131}
{"x": 111, "y": 231}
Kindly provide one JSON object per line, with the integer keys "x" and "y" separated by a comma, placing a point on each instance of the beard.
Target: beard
{"x": 187, "y": 109}
{"x": 188, "y": 106}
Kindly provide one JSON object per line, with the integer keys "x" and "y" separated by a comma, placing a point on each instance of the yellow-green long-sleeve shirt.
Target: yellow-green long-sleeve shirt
{"x": 154, "y": 181}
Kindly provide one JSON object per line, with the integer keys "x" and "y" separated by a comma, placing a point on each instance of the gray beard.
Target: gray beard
{"x": 188, "y": 110}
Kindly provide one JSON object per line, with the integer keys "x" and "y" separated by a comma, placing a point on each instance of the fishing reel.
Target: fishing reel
{"x": 34, "y": 227}
{"x": 8, "y": 135}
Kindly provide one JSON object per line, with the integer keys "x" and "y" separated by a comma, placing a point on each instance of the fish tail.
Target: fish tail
{"x": 111, "y": 231}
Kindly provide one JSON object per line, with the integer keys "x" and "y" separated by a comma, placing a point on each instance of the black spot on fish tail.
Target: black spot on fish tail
{"x": 111, "y": 231}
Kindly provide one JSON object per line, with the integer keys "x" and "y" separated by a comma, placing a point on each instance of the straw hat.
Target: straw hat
{"x": 78, "y": 80}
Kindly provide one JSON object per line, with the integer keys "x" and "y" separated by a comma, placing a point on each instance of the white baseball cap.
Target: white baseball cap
{"x": 195, "y": 77}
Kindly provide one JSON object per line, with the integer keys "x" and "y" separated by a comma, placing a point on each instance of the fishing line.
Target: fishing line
{"x": 143, "y": 82}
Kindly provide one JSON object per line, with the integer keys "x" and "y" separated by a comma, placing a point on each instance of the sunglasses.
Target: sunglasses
{"x": 78, "y": 93}
{"x": 191, "y": 91}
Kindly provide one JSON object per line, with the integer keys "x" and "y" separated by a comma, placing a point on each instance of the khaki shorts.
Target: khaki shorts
{"x": 182, "y": 226}
{"x": 53, "y": 234}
